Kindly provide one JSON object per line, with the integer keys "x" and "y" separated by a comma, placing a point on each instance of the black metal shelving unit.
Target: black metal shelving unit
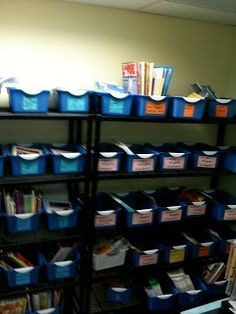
{"x": 94, "y": 303}
{"x": 44, "y": 236}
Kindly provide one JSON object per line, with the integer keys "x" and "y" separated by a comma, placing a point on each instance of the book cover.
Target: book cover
{"x": 130, "y": 77}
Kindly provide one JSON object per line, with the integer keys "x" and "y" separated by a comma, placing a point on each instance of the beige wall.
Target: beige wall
{"x": 64, "y": 41}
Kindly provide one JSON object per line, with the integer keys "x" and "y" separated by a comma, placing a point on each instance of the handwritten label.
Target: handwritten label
{"x": 189, "y": 110}
{"x": 105, "y": 221}
{"x": 176, "y": 255}
{"x": 195, "y": 210}
{"x": 62, "y": 272}
{"x": 168, "y": 215}
{"x": 230, "y": 214}
{"x": 63, "y": 221}
{"x": 76, "y": 104}
{"x": 30, "y": 103}
{"x": 221, "y": 111}
{"x": 204, "y": 251}
{"x": 139, "y": 219}
{"x": 206, "y": 162}
{"x": 155, "y": 108}
{"x": 173, "y": 162}
{"x": 29, "y": 167}
{"x": 23, "y": 224}
{"x": 143, "y": 164}
{"x": 116, "y": 106}
{"x": 148, "y": 259}
{"x": 68, "y": 165}
{"x": 107, "y": 164}
{"x": 22, "y": 278}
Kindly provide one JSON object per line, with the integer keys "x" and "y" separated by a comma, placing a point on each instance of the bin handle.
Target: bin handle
{"x": 23, "y": 270}
{"x": 46, "y": 311}
{"x": 209, "y": 152}
{"x": 119, "y": 290}
{"x": 164, "y": 296}
{"x": 231, "y": 206}
{"x": 105, "y": 212}
{"x": 193, "y": 292}
{"x": 29, "y": 156}
{"x": 176, "y": 154}
{"x": 144, "y": 211}
{"x": 108, "y": 155}
{"x": 149, "y": 252}
{"x": 63, "y": 263}
{"x": 24, "y": 216}
{"x": 157, "y": 98}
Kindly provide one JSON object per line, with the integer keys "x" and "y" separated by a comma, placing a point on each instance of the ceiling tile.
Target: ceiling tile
{"x": 121, "y": 4}
{"x": 171, "y": 8}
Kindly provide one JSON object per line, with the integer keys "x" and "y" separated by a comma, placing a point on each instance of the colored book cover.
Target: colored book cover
{"x": 130, "y": 77}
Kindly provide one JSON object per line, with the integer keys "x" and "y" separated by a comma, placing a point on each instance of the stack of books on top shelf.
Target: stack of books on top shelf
{"x": 144, "y": 78}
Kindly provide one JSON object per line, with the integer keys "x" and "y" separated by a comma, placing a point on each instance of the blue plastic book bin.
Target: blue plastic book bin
{"x": 229, "y": 159}
{"x": 28, "y": 164}
{"x": 109, "y": 159}
{"x": 72, "y": 160}
{"x": 73, "y": 100}
{"x": 61, "y": 219}
{"x": 169, "y": 207}
{"x": 146, "y": 257}
{"x": 143, "y": 209}
{"x": 192, "y": 297}
{"x": 23, "y": 222}
{"x": 203, "y": 155}
{"x": 23, "y": 276}
{"x": 221, "y": 108}
{"x": 227, "y": 236}
{"x": 172, "y": 158}
{"x": 223, "y": 205}
{"x": 61, "y": 270}
{"x": 216, "y": 289}
{"x": 107, "y": 212}
{"x": 165, "y": 301}
{"x": 176, "y": 249}
{"x": 188, "y": 108}
{"x": 3, "y": 154}
{"x": 27, "y": 100}
{"x": 151, "y": 106}
{"x": 115, "y": 103}
{"x": 143, "y": 159}
{"x": 205, "y": 246}
{"x": 120, "y": 295}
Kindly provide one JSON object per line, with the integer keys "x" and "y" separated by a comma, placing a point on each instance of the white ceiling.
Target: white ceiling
{"x": 214, "y": 11}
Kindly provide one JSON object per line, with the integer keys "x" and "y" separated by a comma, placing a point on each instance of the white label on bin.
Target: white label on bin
{"x": 230, "y": 214}
{"x": 23, "y": 224}
{"x": 105, "y": 221}
{"x": 173, "y": 163}
{"x": 206, "y": 162}
{"x": 148, "y": 259}
{"x": 30, "y": 103}
{"x": 68, "y": 165}
{"x": 168, "y": 215}
{"x": 116, "y": 106}
{"x": 29, "y": 167}
{"x": 107, "y": 164}
{"x": 196, "y": 210}
{"x": 143, "y": 165}
{"x": 63, "y": 221}
{"x": 76, "y": 104}
{"x": 22, "y": 278}
{"x": 139, "y": 219}
{"x": 62, "y": 272}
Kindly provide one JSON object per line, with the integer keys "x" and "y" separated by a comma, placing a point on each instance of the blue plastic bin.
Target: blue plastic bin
{"x": 3, "y": 155}
{"x": 188, "y": 108}
{"x": 223, "y": 205}
{"x": 109, "y": 159}
{"x": 72, "y": 160}
{"x": 62, "y": 270}
{"x": 221, "y": 108}
{"x": 203, "y": 155}
{"x": 192, "y": 297}
{"x": 115, "y": 103}
{"x": 73, "y": 100}
{"x": 61, "y": 219}
{"x": 151, "y": 106}
{"x": 225, "y": 236}
{"x": 172, "y": 158}
{"x": 23, "y": 222}
{"x": 26, "y": 100}
{"x": 165, "y": 301}
{"x": 143, "y": 209}
{"x": 216, "y": 289}
{"x": 107, "y": 212}
{"x": 229, "y": 159}
{"x": 175, "y": 248}
{"x": 120, "y": 295}
{"x": 32, "y": 164}
{"x": 169, "y": 207}
{"x": 143, "y": 159}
